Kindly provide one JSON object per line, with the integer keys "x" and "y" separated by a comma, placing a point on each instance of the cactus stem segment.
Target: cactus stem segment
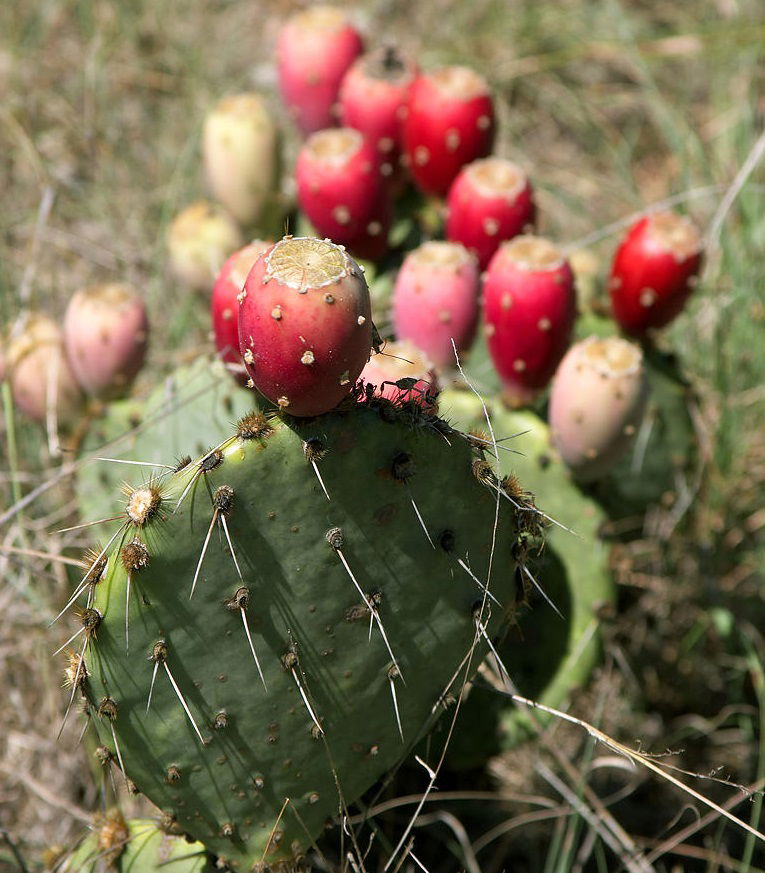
{"x": 240, "y": 601}
{"x": 159, "y": 656}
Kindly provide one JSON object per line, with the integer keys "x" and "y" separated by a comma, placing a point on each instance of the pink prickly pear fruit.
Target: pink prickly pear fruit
{"x": 435, "y": 300}
{"x": 313, "y": 52}
{"x": 40, "y": 377}
{"x": 490, "y": 201}
{"x": 106, "y": 332}
{"x": 305, "y": 325}
{"x": 224, "y": 303}
{"x": 655, "y": 269}
{"x": 449, "y": 123}
{"x": 373, "y": 98}
{"x": 241, "y": 151}
{"x": 200, "y": 239}
{"x": 597, "y": 400}
{"x": 338, "y": 184}
{"x": 529, "y": 302}
{"x": 402, "y": 373}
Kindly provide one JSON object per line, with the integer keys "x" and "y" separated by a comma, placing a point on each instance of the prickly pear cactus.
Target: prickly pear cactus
{"x": 278, "y": 622}
{"x": 192, "y": 409}
{"x": 550, "y": 655}
{"x": 133, "y": 846}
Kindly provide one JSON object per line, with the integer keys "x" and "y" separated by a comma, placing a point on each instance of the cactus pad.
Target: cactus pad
{"x": 323, "y": 635}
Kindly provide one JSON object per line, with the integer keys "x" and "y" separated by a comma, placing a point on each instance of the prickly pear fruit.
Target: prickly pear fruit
{"x": 133, "y": 846}
{"x": 402, "y": 373}
{"x": 241, "y": 153}
{"x": 449, "y": 123}
{"x": 435, "y": 300}
{"x": 529, "y": 309}
{"x": 597, "y": 400}
{"x": 305, "y": 325}
{"x": 224, "y": 305}
{"x": 106, "y": 333}
{"x": 264, "y": 684}
{"x": 339, "y": 186}
{"x": 655, "y": 269}
{"x": 314, "y": 50}
{"x": 200, "y": 239}
{"x": 373, "y": 98}
{"x": 42, "y": 382}
{"x": 491, "y": 200}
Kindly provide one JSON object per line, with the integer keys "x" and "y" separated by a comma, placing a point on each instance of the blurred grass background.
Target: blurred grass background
{"x": 611, "y": 106}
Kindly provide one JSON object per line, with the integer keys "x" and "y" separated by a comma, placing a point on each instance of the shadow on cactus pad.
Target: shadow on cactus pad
{"x": 548, "y": 657}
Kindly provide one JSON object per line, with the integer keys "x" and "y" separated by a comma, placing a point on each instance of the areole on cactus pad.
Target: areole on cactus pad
{"x": 226, "y": 655}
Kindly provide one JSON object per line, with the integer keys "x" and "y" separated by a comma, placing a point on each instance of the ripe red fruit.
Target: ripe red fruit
{"x": 373, "y": 97}
{"x": 491, "y": 200}
{"x": 435, "y": 300}
{"x": 106, "y": 332}
{"x": 314, "y": 49}
{"x": 529, "y": 309}
{"x": 305, "y": 325}
{"x": 655, "y": 269}
{"x": 338, "y": 185}
{"x": 224, "y": 305}
{"x": 449, "y": 123}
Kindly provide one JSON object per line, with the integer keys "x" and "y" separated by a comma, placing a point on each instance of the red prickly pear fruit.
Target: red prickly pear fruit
{"x": 435, "y": 300}
{"x": 314, "y": 50}
{"x": 106, "y": 333}
{"x": 597, "y": 400}
{"x": 490, "y": 201}
{"x": 241, "y": 152}
{"x": 224, "y": 303}
{"x": 402, "y": 373}
{"x": 338, "y": 185}
{"x": 305, "y": 325}
{"x": 40, "y": 377}
{"x": 529, "y": 302}
{"x": 654, "y": 271}
{"x": 373, "y": 98}
{"x": 449, "y": 122}
{"x": 200, "y": 239}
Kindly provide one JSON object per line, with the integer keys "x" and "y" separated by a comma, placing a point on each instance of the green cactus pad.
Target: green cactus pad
{"x": 548, "y": 657}
{"x": 134, "y": 846}
{"x": 257, "y": 773}
{"x": 191, "y": 410}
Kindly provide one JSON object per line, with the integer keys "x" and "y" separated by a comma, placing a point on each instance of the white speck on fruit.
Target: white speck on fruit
{"x": 249, "y": 358}
{"x": 240, "y": 297}
{"x": 374, "y": 228}
{"x": 345, "y": 378}
{"x": 276, "y": 313}
{"x": 386, "y": 169}
{"x": 483, "y": 122}
{"x": 421, "y": 156}
{"x": 544, "y": 324}
{"x": 519, "y": 365}
{"x": 490, "y": 226}
{"x": 614, "y": 283}
{"x": 250, "y": 383}
{"x": 308, "y": 357}
{"x": 361, "y": 320}
{"x": 489, "y": 329}
{"x": 452, "y": 140}
{"x": 385, "y": 144}
{"x": 283, "y": 402}
{"x": 444, "y": 316}
{"x": 227, "y": 314}
{"x": 647, "y": 297}
{"x": 506, "y": 302}
{"x": 341, "y": 214}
